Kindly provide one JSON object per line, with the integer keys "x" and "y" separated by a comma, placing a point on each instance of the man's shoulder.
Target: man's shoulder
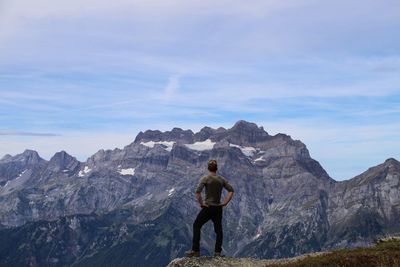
{"x": 203, "y": 178}
{"x": 222, "y": 178}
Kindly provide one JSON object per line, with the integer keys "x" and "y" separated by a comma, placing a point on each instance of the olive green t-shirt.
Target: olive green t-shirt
{"x": 213, "y": 185}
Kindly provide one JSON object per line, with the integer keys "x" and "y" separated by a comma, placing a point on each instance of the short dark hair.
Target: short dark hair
{"x": 212, "y": 165}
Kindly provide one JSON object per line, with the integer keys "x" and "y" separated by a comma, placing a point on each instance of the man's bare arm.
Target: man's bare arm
{"x": 227, "y": 198}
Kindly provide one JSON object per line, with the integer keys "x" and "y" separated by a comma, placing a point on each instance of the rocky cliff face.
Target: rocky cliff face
{"x": 367, "y": 205}
{"x": 285, "y": 203}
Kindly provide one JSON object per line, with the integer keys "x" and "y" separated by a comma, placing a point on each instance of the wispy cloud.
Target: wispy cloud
{"x": 17, "y": 133}
{"x": 171, "y": 88}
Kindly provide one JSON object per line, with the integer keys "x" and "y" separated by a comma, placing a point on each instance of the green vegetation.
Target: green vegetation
{"x": 383, "y": 254}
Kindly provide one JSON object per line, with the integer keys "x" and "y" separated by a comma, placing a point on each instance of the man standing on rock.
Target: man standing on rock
{"x": 211, "y": 208}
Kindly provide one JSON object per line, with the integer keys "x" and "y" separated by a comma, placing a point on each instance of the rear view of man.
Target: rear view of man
{"x": 211, "y": 208}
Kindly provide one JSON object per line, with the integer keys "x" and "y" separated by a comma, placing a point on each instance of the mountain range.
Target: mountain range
{"x": 135, "y": 206}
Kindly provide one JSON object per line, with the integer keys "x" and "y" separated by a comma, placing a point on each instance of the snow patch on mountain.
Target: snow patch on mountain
{"x": 171, "y": 192}
{"x": 201, "y": 146}
{"x": 167, "y": 144}
{"x": 85, "y": 171}
{"x": 19, "y": 176}
{"x": 260, "y": 159}
{"x": 128, "y": 171}
{"x": 248, "y": 151}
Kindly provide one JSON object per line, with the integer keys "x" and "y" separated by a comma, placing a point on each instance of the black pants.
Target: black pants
{"x": 213, "y": 213}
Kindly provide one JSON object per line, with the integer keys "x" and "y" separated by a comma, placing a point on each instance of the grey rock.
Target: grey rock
{"x": 216, "y": 262}
{"x": 64, "y": 162}
{"x": 176, "y": 134}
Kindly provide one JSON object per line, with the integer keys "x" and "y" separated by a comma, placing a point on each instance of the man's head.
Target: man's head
{"x": 212, "y": 165}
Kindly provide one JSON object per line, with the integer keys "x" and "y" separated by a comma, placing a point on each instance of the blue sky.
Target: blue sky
{"x": 85, "y": 75}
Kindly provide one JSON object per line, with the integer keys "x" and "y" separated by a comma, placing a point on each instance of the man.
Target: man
{"x": 211, "y": 208}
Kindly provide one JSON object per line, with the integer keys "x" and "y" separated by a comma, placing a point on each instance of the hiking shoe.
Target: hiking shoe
{"x": 218, "y": 254}
{"x": 192, "y": 253}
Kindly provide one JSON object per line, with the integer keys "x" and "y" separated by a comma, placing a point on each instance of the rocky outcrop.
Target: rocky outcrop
{"x": 64, "y": 162}
{"x": 367, "y": 205}
{"x": 12, "y": 168}
{"x": 176, "y": 134}
{"x": 216, "y": 262}
{"x": 207, "y": 261}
